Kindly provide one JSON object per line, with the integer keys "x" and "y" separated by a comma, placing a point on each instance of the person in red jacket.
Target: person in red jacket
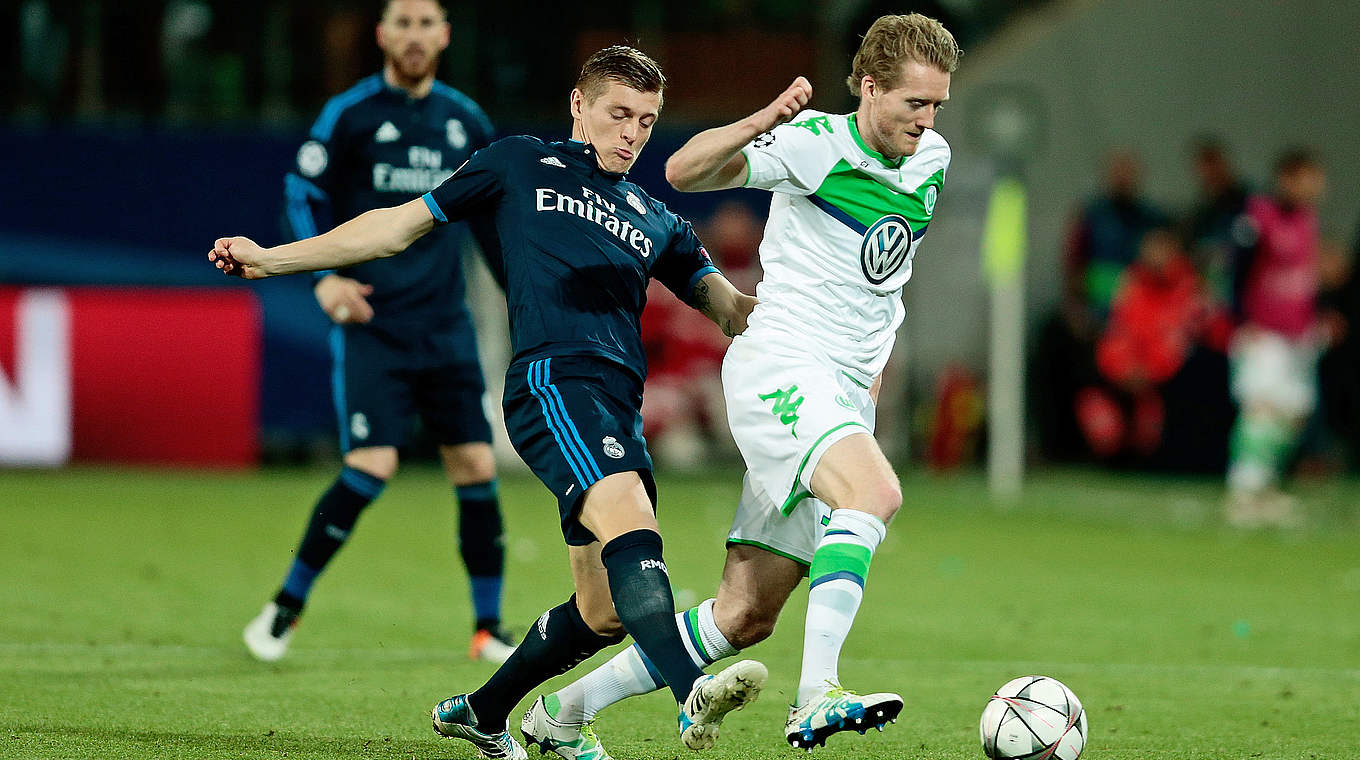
{"x": 1159, "y": 313}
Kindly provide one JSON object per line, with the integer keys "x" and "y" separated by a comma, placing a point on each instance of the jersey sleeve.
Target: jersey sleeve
{"x": 790, "y": 158}
{"x": 309, "y": 187}
{"x": 474, "y": 186}
{"x": 683, "y": 262}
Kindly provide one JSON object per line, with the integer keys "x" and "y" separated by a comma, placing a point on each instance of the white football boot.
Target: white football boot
{"x": 268, "y": 635}
{"x": 569, "y": 741}
{"x": 713, "y": 697}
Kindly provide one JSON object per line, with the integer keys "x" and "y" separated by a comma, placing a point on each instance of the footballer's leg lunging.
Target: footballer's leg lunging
{"x": 333, "y": 518}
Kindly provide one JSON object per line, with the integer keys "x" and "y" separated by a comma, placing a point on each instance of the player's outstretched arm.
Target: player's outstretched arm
{"x": 371, "y": 235}
{"x": 720, "y": 301}
{"x": 712, "y": 159}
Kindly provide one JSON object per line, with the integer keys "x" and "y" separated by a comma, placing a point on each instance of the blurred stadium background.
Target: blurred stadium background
{"x": 134, "y": 132}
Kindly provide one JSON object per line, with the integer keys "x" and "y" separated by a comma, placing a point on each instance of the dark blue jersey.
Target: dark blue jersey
{"x": 374, "y": 146}
{"x": 577, "y": 247}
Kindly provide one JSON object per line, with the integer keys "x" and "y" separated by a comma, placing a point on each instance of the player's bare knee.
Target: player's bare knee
{"x": 880, "y": 497}
{"x": 469, "y": 463}
{"x": 605, "y": 624}
{"x": 378, "y": 461}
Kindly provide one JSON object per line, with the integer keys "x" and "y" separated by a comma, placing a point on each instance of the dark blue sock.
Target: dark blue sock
{"x": 481, "y": 541}
{"x": 329, "y": 527}
{"x": 559, "y": 641}
{"x": 641, "y": 589}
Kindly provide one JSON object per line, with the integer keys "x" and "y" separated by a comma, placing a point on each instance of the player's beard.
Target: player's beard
{"x": 414, "y": 64}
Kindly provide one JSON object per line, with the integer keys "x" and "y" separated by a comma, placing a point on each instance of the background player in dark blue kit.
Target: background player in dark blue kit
{"x": 578, "y": 244}
{"x": 403, "y": 341}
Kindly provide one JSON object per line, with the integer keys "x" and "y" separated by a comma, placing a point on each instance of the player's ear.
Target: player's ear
{"x": 577, "y": 103}
{"x": 868, "y": 88}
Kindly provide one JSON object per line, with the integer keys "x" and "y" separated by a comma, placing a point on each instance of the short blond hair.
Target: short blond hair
{"x": 623, "y": 64}
{"x": 894, "y": 40}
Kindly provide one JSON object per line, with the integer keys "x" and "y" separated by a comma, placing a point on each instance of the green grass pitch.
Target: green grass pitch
{"x": 124, "y": 592}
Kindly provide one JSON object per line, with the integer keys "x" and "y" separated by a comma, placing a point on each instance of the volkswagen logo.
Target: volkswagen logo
{"x": 886, "y": 245}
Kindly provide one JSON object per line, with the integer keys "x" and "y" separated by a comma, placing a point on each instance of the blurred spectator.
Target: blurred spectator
{"x": 683, "y": 412}
{"x": 1335, "y": 436}
{"x": 1102, "y": 241}
{"x": 1160, "y": 314}
{"x": 1274, "y": 351}
{"x": 1217, "y": 227}
{"x": 1105, "y": 239}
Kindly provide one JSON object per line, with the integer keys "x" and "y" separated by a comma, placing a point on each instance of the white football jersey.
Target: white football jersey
{"x": 844, "y": 225}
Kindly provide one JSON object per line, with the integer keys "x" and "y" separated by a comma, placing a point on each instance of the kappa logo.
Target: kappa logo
{"x": 387, "y": 133}
{"x": 612, "y": 448}
{"x": 552, "y": 161}
{"x": 358, "y": 426}
{"x": 312, "y": 158}
{"x": 655, "y": 564}
{"x": 636, "y": 203}
{"x": 785, "y": 406}
{"x": 886, "y": 246}
{"x": 542, "y": 625}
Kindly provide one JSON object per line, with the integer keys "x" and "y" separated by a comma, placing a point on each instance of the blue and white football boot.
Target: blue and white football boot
{"x": 713, "y": 697}
{"x": 839, "y": 710}
{"x": 454, "y": 718}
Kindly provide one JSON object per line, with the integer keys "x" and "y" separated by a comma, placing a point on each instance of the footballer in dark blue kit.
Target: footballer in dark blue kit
{"x": 576, "y": 244}
{"x": 402, "y": 343}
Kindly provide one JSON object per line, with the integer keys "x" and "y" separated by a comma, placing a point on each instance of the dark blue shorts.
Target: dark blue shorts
{"x": 574, "y": 420}
{"x": 382, "y": 381}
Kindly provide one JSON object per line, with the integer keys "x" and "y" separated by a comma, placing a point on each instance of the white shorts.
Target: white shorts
{"x": 1271, "y": 370}
{"x": 760, "y": 523}
{"x": 786, "y": 408}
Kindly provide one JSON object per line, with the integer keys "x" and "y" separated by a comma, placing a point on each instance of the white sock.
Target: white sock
{"x": 629, "y": 673}
{"x": 836, "y": 586}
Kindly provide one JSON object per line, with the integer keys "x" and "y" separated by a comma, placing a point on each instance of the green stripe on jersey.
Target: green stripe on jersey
{"x": 867, "y": 200}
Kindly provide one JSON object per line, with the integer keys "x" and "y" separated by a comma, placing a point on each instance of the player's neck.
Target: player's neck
{"x": 869, "y": 137}
{"x": 416, "y": 88}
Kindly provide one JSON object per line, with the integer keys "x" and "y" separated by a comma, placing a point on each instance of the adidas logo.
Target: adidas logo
{"x": 387, "y": 133}
{"x": 552, "y": 161}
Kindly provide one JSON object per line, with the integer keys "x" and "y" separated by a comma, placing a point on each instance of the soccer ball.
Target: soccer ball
{"x": 1033, "y": 718}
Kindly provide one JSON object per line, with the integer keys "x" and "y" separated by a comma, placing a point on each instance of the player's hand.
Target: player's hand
{"x": 238, "y": 256}
{"x": 344, "y": 299}
{"x": 786, "y": 106}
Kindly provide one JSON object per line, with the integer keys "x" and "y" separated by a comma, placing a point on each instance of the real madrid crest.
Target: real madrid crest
{"x": 612, "y": 448}
{"x": 456, "y": 134}
{"x": 637, "y": 205}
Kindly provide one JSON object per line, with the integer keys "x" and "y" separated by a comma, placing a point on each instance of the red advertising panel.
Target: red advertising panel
{"x": 138, "y": 375}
